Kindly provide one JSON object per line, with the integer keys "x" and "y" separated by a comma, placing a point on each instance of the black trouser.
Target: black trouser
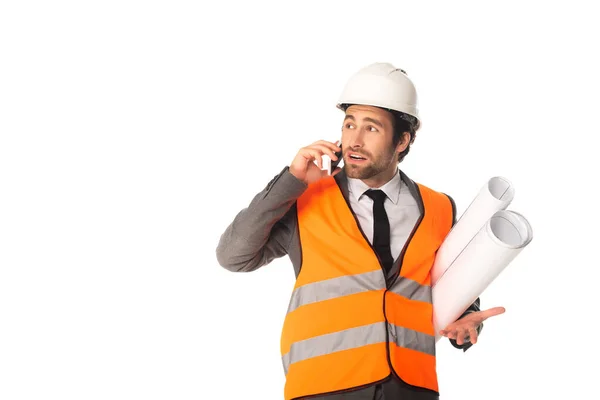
{"x": 396, "y": 391}
{"x": 390, "y": 390}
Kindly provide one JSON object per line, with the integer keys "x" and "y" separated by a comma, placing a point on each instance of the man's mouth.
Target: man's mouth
{"x": 356, "y": 157}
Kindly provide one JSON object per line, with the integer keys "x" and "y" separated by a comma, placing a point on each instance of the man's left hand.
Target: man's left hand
{"x": 466, "y": 327}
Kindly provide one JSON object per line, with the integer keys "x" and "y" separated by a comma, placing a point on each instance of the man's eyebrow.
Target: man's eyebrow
{"x": 366, "y": 119}
{"x": 379, "y": 124}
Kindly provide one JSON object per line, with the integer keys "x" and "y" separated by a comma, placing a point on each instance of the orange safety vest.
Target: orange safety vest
{"x": 345, "y": 328}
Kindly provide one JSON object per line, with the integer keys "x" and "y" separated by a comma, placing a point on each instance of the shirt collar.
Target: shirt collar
{"x": 357, "y": 188}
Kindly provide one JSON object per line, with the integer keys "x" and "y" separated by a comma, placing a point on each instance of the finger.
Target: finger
{"x": 473, "y": 335}
{"x": 336, "y": 171}
{"x": 325, "y": 150}
{"x": 492, "y": 311}
{"x": 332, "y": 145}
{"x": 312, "y": 155}
{"x": 449, "y": 331}
{"x": 460, "y": 336}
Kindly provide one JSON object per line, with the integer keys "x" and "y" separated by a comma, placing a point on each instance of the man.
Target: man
{"x": 362, "y": 242}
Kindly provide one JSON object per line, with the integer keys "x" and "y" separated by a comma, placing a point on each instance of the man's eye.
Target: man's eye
{"x": 349, "y": 126}
{"x": 372, "y": 129}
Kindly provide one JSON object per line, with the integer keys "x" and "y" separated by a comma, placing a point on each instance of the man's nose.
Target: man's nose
{"x": 357, "y": 140}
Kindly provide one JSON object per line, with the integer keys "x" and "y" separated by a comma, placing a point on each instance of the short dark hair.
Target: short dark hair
{"x": 402, "y": 123}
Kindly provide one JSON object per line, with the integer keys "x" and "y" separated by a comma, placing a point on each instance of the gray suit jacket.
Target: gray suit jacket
{"x": 267, "y": 229}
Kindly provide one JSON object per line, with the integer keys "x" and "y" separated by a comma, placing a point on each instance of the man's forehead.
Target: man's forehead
{"x": 360, "y": 111}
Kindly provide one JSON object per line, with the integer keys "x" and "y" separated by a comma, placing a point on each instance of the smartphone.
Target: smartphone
{"x": 335, "y": 163}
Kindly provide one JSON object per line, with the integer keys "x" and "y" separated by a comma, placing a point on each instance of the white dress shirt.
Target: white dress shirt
{"x": 401, "y": 207}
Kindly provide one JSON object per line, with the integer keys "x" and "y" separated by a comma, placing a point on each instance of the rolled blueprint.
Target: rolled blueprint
{"x": 495, "y": 195}
{"x": 489, "y": 252}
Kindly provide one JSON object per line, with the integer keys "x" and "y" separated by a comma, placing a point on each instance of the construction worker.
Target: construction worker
{"x": 362, "y": 240}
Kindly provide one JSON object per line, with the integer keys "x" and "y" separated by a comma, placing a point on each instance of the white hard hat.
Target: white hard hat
{"x": 382, "y": 85}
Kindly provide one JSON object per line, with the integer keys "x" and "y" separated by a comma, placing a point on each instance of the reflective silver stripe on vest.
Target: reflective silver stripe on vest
{"x": 411, "y": 339}
{"x": 412, "y": 290}
{"x": 336, "y": 287}
{"x": 332, "y": 342}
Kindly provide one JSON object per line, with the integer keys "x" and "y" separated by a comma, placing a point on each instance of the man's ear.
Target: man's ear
{"x": 403, "y": 143}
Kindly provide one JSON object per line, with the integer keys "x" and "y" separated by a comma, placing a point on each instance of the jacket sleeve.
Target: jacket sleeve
{"x": 262, "y": 232}
{"x": 473, "y": 307}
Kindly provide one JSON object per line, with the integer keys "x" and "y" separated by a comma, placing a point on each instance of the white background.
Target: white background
{"x": 133, "y": 132}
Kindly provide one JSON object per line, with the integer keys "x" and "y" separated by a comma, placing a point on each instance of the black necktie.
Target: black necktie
{"x": 381, "y": 228}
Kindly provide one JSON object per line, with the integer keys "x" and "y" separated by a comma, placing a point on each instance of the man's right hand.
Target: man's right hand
{"x": 303, "y": 166}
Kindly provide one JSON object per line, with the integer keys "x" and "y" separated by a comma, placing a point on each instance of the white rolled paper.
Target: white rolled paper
{"x": 495, "y": 195}
{"x": 478, "y": 263}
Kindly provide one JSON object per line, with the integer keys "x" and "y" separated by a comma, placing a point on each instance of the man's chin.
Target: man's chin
{"x": 358, "y": 172}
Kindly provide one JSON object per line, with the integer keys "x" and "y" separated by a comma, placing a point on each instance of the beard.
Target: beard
{"x": 368, "y": 170}
{"x": 362, "y": 172}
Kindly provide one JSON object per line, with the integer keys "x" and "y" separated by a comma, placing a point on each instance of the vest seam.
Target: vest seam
{"x": 453, "y": 208}
{"x": 410, "y": 237}
{"x": 361, "y": 232}
{"x": 296, "y": 232}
